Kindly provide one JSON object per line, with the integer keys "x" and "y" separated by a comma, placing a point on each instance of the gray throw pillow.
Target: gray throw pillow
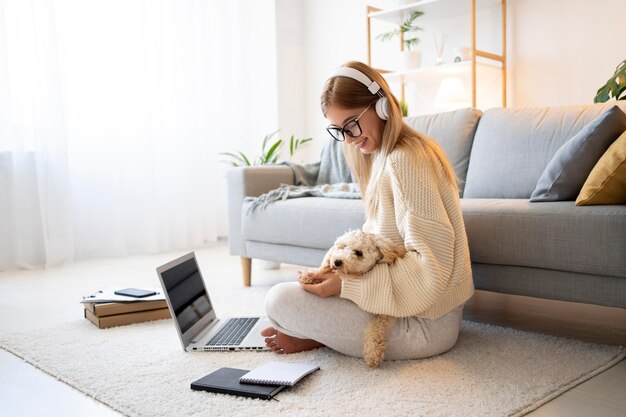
{"x": 569, "y": 168}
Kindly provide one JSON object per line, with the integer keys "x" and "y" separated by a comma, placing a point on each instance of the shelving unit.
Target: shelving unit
{"x": 444, "y": 9}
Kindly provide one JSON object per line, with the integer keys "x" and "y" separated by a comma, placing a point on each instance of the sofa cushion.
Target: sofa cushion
{"x": 569, "y": 168}
{"x": 557, "y": 235}
{"x": 289, "y": 222}
{"x": 606, "y": 183}
{"x": 454, "y": 132}
{"x": 512, "y": 147}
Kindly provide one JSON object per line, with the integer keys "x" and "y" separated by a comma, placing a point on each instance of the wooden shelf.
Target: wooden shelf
{"x": 411, "y": 75}
{"x": 435, "y": 9}
{"x": 399, "y": 14}
{"x": 446, "y": 9}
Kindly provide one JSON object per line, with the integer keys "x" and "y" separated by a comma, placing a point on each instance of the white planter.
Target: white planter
{"x": 411, "y": 59}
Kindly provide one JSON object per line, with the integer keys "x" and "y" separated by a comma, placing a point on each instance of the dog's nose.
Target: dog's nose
{"x": 338, "y": 263}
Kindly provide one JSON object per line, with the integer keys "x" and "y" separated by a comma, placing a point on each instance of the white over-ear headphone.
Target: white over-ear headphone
{"x": 382, "y": 105}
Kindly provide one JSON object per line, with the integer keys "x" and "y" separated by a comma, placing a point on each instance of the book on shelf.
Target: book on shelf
{"x": 127, "y": 318}
{"x": 111, "y": 309}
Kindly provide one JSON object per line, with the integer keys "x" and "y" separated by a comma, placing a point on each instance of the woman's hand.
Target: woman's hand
{"x": 329, "y": 283}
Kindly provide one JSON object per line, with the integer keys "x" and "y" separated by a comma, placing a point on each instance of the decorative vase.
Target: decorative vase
{"x": 411, "y": 59}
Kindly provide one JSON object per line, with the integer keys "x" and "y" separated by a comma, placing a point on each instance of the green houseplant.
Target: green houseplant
{"x": 408, "y": 31}
{"x": 407, "y": 27}
{"x": 404, "y": 107}
{"x": 615, "y": 87}
{"x": 270, "y": 152}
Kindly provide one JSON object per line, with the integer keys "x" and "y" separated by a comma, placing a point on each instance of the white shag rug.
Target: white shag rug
{"x": 141, "y": 370}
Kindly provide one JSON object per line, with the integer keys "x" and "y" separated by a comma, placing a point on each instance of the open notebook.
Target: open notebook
{"x": 278, "y": 373}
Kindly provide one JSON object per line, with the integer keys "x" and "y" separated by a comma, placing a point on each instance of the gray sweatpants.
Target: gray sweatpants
{"x": 339, "y": 324}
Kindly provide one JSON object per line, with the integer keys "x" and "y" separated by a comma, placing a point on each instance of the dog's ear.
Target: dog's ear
{"x": 388, "y": 250}
{"x": 326, "y": 262}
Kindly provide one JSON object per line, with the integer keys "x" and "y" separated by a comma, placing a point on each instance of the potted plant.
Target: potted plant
{"x": 269, "y": 152}
{"x": 404, "y": 107}
{"x": 615, "y": 87}
{"x": 408, "y": 31}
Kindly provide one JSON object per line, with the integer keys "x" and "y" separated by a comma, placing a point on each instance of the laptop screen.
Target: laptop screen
{"x": 187, "y": 294}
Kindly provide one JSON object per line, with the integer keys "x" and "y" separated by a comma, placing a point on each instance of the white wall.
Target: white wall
{"x": 335, "y": 32}
{"x": 290, "y": 72}
{"x": 251, "y": 56}
{"x": 559, "y": 52}
{"x": 564, "y": 51}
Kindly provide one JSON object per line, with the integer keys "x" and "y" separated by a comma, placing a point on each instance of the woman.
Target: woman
{"x": 411, "y": 197}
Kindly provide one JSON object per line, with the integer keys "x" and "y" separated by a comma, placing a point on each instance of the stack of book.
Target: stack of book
{"x": 110, "y": 314}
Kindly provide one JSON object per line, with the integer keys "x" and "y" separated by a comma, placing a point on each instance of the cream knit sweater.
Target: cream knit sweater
{"x": 421, "y": 211}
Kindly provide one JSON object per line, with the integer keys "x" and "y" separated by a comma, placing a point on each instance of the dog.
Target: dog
{"x": 353, "y": 254}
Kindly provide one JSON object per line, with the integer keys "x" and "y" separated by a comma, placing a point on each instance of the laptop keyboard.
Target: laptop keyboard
{"x": 233, "y": 332}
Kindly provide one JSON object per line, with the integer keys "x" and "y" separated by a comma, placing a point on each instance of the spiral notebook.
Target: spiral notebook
{"x": 278, "y": 373}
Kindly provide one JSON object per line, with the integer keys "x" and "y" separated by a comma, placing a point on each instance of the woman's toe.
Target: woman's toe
{"x": 268, "y": 332}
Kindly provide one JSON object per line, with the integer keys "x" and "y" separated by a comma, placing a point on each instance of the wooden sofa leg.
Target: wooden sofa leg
{"x": 246, "y": 269}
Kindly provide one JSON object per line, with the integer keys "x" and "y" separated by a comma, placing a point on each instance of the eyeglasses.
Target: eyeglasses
{"x": 352, "y": 128}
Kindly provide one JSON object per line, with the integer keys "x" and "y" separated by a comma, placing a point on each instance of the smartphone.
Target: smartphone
{"x": 135, "y": 292}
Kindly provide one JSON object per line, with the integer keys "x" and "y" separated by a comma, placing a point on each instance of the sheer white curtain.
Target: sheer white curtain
{"x": 35, "y": 206}
{"x": 111, "y": 117}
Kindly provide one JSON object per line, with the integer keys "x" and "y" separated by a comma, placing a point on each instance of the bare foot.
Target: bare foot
{"x": 281, "y": 343}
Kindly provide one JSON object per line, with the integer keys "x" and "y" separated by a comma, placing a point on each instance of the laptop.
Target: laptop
{"x": 199, "y": 329}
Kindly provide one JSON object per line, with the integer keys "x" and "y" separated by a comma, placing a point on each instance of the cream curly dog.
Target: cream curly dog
{"x": 353, "y": 254}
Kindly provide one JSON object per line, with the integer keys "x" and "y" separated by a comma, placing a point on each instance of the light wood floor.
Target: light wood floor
{"x": 26, "y": 391}
{"x": 572, "y": 320}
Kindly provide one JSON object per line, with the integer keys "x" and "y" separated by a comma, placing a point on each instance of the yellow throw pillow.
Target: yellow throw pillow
{"x": 606, "y": 184}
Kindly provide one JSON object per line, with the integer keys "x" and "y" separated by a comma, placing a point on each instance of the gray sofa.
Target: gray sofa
{"x": 552, "y": 250}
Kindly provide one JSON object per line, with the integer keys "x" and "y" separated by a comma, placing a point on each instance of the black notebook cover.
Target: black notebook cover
{"x": 226, "y": 381}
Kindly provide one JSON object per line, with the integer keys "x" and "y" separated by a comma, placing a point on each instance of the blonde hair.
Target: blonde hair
{"x": 351, "y": 94}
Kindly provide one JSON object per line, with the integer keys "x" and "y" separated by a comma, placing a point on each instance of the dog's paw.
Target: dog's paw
{"x": 306, "y": 278}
